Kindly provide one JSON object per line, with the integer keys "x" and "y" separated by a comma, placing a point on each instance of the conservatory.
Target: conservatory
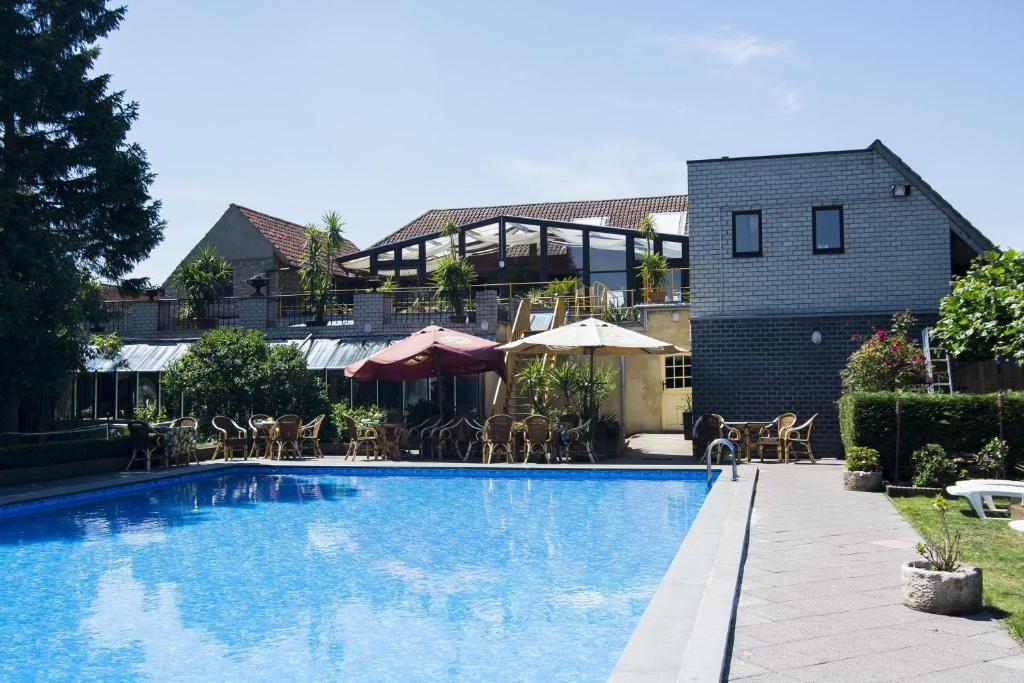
{"x": 525, "y": 251}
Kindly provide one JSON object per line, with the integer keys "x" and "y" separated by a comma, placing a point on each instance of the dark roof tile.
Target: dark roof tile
{"x": 289, "y": 239}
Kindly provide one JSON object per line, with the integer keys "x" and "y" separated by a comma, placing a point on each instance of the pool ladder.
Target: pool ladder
{"x": 732, "y": 452}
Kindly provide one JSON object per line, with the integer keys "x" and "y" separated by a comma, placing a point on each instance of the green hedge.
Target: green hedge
{"x": 62, "y": 452}
{"x": 960, "y": 423}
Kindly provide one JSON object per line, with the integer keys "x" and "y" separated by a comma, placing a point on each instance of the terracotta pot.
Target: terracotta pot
{"x": 656, "y": 297}
{"x": 927, "y": 590}
{"x": 862, "y": 481}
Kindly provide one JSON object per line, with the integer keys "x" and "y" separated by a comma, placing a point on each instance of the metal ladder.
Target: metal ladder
{"x": 938, "y": 364}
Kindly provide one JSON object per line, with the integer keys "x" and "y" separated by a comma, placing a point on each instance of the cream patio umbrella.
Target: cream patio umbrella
{"x": 591, "y": 337}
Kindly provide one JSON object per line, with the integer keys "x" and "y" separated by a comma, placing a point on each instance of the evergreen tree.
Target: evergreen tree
{"x": 74, "y": 192}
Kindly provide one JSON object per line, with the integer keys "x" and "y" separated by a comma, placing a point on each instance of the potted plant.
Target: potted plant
{"x": 653, "y": 267}
{"x": 938, "y": 583}
{"x": 688, "y": 418}
{"x": 317, "y": 270}
{"x": 610, "y": 442}
{"x": 453, "y": 277}
{"x": 258, "y": 282}
{"x": 201, "y": 280}
{"x": 862, "y": 470}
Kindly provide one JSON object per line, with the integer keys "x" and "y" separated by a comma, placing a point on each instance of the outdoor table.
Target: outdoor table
{"x": 262, "y": 431}
{"x": 387, "y": 438}
{"x": 745, "y": 428}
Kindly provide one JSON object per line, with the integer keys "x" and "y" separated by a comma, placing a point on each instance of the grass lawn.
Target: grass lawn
{"x": 991, "y": 545}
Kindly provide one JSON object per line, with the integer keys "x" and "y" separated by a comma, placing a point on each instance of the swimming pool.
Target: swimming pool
{"x": 383, "y": 574}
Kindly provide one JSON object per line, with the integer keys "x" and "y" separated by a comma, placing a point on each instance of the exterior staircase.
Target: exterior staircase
{"x": 938, "y": 364}
{"x": 507, "y": 398}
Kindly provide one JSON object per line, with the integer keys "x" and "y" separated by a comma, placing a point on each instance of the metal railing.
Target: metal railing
{"x": 118, "y": 312}
{"x": 421, "y": 306}
{"x": 292, "y": 310}
{"x": 173, "y": 315}
{"x": 718, "y": 444}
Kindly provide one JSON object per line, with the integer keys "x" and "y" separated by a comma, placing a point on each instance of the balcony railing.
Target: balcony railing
{"x": 420, "y": 306}
{"x": 293, "y": 310}
{"x": 118, "y": 320}
{"x": 173, "y": 315}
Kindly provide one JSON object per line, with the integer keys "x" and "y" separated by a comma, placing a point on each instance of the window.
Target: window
{"x": 746, "y": 233}
{"x": 827, "y": 224}
{"x": 678, "y": 372}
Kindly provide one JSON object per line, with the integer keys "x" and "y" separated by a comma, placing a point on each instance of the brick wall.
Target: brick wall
{"x": 757, "y": 368}
{"x": 897, "y": 250}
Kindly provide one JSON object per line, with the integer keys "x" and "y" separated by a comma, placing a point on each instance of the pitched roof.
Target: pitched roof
{"x": 289, "y": 239}
{"x": 621, "y": 213}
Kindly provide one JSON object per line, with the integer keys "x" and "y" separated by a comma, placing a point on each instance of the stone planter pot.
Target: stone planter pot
{"x": 862, "y": 481}
{"x": 941, "y": 592}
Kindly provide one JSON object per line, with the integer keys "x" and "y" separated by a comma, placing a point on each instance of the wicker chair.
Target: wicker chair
{"x": 182, "y": 439}
{"x": 798, "y": 436}
{"x": 706, "y": 429}
{"x": 537, "y": 437}
{"x": 497, "y": 437}
{"x": 285, "y": 435}
{"x": 310, "y": 436}
{"x": 146, "y": 441}
{"x": 456, "y": 432}
{"x": 574, "y": 441}
{"x": 360, "y": 436}
{"x": 231, "y": 438}
{"x": 771, "y": 435}
{"x": 418, "y": 437}
{"x": 260, "y": 435}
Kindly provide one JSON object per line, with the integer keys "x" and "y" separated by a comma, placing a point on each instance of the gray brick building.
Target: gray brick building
{"x": 785, "y": 246}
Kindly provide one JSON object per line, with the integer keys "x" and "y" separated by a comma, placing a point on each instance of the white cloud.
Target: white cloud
{"x": 732, "y": 47}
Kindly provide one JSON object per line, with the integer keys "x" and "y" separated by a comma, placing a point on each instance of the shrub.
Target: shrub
{"x": 933, "y": 467}
{"x": 861, "y": 459}
{"x": 237, "y": 373}
{"x": 886, "y": 361}
{"x": 989, "y": 458}
{"x": 62, "y": 452}
{"x": 961, "y": 423}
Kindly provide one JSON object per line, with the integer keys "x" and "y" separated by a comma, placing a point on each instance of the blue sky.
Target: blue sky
{"x": 381, "y": 110}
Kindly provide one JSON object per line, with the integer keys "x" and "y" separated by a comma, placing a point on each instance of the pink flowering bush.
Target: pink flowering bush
{"x": 886, "y": 360}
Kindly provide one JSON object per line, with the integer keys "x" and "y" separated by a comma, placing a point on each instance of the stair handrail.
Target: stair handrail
{"x": 520, "y": 327}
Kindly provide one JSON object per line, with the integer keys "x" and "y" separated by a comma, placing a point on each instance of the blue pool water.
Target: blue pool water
{"x": 482, "y": 575}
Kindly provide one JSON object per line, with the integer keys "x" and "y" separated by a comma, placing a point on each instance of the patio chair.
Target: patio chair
{"x": 798, "y": 436}
{"x": 145, "y": 441}
{"x": 575, "y": 441}
{"x": 285, "y": 435}
{"x": 417, "y": 437}
{"x": 456, "y": 432}
{"x": 360, "y": 436}
{"x": 182, "y": 439}
{"x": 231, "y": 438}
{"x": 497, "y": 437}
{"x": 770, "y": 436}
{"x": 259, "y": 425}
{"x": 476, "y": 438}
{"x": 310, "y": 436}
{"x": 537, "y": 437}
{"x": 707, "y": 428}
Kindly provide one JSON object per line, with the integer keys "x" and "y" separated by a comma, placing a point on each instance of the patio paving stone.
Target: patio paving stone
{"x": 820, "y": 597}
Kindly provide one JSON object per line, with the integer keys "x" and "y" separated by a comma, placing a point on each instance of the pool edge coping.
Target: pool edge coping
{"x": 683, "y": 635}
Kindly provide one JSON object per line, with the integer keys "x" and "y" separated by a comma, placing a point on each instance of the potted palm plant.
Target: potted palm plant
{"x": 453, "y": 277}
{"x": 201, "y": 281}
{"x": 317, "y": 270}
{"x": 939, "y": 583}
{"x": 653, "y": 267}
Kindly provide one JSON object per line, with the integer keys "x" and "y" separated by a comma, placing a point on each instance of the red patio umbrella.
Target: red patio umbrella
{"x": 432, "y": 352}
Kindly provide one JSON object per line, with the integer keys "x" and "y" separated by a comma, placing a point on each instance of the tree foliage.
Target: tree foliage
{"x": 238, "y": 373}
{"x": 323, "y": 244}
{"x": 74, "y": 193}
{"x": 569, "y": 381}
{"x": 201, "y": 280}
{"x": 983, "y": 317}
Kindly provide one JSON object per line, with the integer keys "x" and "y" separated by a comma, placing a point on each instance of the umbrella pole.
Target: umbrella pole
{"x": 593, "y": 408}
{"x": 440, "y": 385}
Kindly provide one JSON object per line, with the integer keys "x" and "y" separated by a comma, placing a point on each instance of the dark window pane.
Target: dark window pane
{"x": 827, "y": 229}
{"x": 747, "y": 233}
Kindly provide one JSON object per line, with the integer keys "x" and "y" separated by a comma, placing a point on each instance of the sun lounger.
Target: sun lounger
{"x": 981, "y": 496}
{"x": 979, "y": 483}
{"x": 1018, "y": 525}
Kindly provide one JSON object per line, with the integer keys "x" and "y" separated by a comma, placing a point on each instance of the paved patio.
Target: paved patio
{"x": 820, "y": 596}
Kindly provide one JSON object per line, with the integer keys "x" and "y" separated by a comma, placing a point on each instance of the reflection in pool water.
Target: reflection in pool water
{"x": 357, "y": 578}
